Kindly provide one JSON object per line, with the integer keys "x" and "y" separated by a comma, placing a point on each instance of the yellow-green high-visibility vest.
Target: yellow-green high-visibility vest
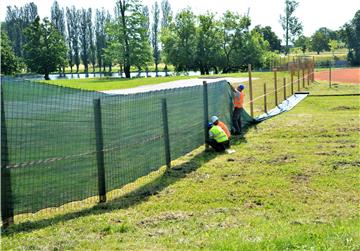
{"x": 218, "y": 134}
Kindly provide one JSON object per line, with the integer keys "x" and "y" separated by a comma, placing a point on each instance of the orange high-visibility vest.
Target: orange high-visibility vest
{"x": 225, "y": 129}
{"x": 239, "y": 99}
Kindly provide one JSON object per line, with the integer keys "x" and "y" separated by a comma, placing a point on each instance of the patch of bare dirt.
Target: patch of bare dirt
{"x": 167, "y": 216}
{"x": 300, "y": 178}
{"x": 345, "y": 129}
{"x": 332, "y": 153}
{"x": 346, "y": 146}
{"x": 345, "y": 164}
{"x": 282, "y": 159}
{"x": 344, "y": 108}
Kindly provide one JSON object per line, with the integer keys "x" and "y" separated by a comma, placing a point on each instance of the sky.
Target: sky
{"x": 314, "y": 14}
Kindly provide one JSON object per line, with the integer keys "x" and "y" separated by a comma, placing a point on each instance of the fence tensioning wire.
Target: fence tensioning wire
{"x": 275, "y": 90}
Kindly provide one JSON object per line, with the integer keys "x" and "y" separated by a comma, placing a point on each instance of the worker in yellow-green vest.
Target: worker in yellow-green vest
{"x": 218, "y": 138}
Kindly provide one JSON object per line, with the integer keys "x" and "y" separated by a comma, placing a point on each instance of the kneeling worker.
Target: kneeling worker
{"x": 215, "y": 120}
{"x": 218, "y": 138}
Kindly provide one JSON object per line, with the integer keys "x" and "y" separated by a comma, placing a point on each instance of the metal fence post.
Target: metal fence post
{"x": 251, "y": 92}
{"x": 284, "y": 88}
{"x": 303, "y": 77}
{"x": 292, "y": 82}
{"x": 313, "y": 69}
{"x": 7, "y": 206}
{"x": 99, "y": 150}
{"x": 275, "y": 85}
{"x": 166, "y": 133}
{"x": 330, "y": 76}
{"x": 206, "y": 113}
{"x": 265, "y": 101}
{"x": 298, "y": 77}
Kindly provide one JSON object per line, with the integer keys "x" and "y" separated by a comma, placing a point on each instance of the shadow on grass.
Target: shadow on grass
{"x": 240, "y": 139}
{"x": 139, "y": 195}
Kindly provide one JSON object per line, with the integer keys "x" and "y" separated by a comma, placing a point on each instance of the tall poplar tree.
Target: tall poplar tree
{"x": 72, "y": 18}
{"x": 155, "y": 35}
{"x": 291, "y": 25}
{"x": 58, "y": 20}
{"x": 84, "y": 37}
{"x": 100, "y": 36}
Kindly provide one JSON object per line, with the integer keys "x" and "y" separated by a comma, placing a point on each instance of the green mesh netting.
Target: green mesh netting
{"x": 50, "y": 153}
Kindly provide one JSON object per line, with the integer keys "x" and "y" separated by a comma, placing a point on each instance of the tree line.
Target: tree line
{"x": 136, "y": 36}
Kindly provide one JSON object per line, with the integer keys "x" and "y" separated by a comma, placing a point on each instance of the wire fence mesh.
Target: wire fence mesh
{"x": 61, "y": 145}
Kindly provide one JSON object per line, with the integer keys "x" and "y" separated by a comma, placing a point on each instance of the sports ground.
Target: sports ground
{"x": 349, "y": 75}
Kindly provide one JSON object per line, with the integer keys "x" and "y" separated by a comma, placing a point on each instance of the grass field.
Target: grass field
{"x": 99, "y": 84}
{"x": 258, "y": 86}
{"x": 293, "y": 184}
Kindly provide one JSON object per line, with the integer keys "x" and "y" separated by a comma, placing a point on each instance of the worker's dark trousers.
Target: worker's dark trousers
{"x": 219, "y": 147}
{"x": 236, "y": 120}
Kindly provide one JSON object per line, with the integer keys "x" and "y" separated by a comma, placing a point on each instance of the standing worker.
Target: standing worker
{"x": 215, "y": 120}
{"x": 217, "y": 138}
{"x": 239, "y": 97}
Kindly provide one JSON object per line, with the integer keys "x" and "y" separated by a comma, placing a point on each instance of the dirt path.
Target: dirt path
{"x": 174, "y": 84}
{"x": 350, "y": 75}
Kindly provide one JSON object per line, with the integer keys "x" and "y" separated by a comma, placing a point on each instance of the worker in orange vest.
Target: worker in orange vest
{"x": 215, "y": 120}
{"x": 239, "y": 97}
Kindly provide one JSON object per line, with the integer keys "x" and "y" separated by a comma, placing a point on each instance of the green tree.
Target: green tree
{"x": 329, "y": 34}
{"x": 113, "y": 50}
{"x": 130, "y": 30}
{"x": 45, "y": 47}
{"x": 100, "y": 36}
{"x": 333, "y": 45}
{"x": 9, "y": 62}
{"x": 155, "y": 35}
{"x": 324, "y": 39}
{"x": 16, "y": 21}
{"x": 251, "y": 50}
{"x": 58, "y": 20}
{"x": 109, "y": 39}
{"x": 179, "y": 41}
{"x": 208, "y": 43}
{"x": 233, "y": 30}
{"x": 166, "y": 14}
{"x": 166, "y": 19}
{"x": 72, "y": 17}
{"x": 303, "y": 42}
{"x": 84, "y": 37}
{"x": 270, "y": 36}
{"x": 319, "y": 42}
{"x": 352, "y": 34}
{"x": 144, "y": 55}
{"x": 256, "y": 51}
{"x": 291, "y": 25}
{"x": 92, "y": 47}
